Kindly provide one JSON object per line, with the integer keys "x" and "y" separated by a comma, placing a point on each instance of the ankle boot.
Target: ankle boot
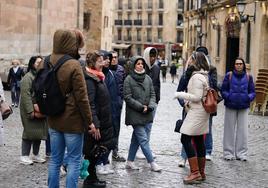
{"x": 201, "y": 165}
{"x": 194, "y": 177}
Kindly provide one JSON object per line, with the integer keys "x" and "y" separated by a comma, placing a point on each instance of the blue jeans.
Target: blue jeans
{"x": 140, "y": 137}
{"x": 58, "y": 142}
{"x": 208, "y": 139}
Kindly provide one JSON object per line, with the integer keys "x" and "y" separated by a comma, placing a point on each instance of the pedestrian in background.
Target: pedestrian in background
{"x": 173, "y": 72}
{"x": 67, "y": 129}
{"x": 139, "y": 96}
{"x": 2, "y": 99}
{"x": 195, "y": 125}
{"x": 237, "y": 91}
{"x": 100, "y": 104}
{"x": 14, "y": 77}
{"x": 119, "y": 74}
{"x": 163, "y": 67}
{"x": 34, "y": 124}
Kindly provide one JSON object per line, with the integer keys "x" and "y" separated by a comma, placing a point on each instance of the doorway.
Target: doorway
{"x": 232, "y": 52}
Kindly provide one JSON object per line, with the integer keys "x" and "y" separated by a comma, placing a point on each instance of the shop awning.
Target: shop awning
{"x": 120, "y": 46}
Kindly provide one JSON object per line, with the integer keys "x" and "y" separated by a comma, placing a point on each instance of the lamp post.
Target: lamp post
{"x": 241, "y": 5}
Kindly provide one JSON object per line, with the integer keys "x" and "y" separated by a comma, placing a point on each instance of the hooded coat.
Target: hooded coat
{"x": 153, "y": 71}
{"x": 33, "y": 129}
{"x": 138, "y": 91}
{"x": 77, "y": 114}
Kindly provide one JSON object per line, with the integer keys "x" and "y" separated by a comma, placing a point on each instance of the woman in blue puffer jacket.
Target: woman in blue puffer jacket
{"x": 237, "y": 91}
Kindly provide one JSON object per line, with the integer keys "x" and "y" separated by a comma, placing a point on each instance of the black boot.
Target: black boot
{"x": 94, "y": 183}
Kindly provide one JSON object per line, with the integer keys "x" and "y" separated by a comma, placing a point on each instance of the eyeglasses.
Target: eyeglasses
{"x": 114, "y": 57}
{"x": 238, "y": 63}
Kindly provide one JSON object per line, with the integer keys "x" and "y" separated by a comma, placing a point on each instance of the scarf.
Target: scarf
{"x": 99, "y": 74}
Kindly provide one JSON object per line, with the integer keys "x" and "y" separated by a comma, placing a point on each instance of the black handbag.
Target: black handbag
{"x": 178, "y": 125}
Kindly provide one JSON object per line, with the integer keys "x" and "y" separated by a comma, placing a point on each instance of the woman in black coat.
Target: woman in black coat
{"x": 101, "y": 143}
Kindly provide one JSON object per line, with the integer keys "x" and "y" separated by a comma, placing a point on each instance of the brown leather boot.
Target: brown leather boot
{"x": 201, "y": 165}
{"x": 194, "y": 177}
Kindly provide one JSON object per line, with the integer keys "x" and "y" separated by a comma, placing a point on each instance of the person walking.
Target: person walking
{"x": 34, "y": 124}
{"x": 2, "y": 99}
{"x": 139, "y": 96}
{"x": 195, "y": 125}
{"x": 67, "y": 129}
{"x": 100, "y": 104}
{"x": 173, "y": 72}
{"x": 119, "y": 74}
{"x": 237, "y": 91}
{"x": 14, "y": 77}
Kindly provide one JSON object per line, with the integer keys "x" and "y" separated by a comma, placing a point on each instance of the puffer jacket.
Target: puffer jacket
{"x": 77, "y": 114}
{"x": 138, "y": 91}
{"x": 238, "y": 90}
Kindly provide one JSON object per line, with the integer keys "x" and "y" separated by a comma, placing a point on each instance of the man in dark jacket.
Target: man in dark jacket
{"x": 119, "y": 75}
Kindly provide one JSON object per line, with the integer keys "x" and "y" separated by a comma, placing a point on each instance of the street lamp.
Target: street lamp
{"x": 241, "y": 5}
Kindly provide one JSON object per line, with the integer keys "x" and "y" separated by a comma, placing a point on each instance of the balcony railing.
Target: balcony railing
{"x": 138, "y": 22}
{"x": 118, "y": 22}
{"x": 128, "y": 22}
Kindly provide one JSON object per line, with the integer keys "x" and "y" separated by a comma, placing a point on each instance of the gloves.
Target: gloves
{"x": 150, "y": 109}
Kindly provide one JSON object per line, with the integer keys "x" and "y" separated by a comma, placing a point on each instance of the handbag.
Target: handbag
{"x": 5, "y": 109}
{"x": 178, "y": 125}
{"x": 210, "y": 102}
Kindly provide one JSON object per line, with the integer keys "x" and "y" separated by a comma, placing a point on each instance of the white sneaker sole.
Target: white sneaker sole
{"x": 26, "y": 163}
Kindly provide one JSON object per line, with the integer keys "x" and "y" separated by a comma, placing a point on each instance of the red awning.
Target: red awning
{"x": 157, "y": 46}
{"x": 176, "y": 47}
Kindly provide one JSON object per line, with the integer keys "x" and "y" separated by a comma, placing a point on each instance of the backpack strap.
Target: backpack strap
{"x": 60, "y": 62}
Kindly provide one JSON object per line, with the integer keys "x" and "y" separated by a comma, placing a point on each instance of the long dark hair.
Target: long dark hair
{"x": 31, "y": 62}
{"x": 200, "y": 61}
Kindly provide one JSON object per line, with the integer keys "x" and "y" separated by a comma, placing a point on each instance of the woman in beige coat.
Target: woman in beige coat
{"x": 195, "y": 124}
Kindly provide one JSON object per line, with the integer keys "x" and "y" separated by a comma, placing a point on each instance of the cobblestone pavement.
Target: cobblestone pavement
{"x": 165, "y": 144}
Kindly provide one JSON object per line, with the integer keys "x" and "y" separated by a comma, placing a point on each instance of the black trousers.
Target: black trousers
{"x": 199, "y": 150}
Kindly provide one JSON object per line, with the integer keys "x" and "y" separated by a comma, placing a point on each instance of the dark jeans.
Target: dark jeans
{"x": 26, "y": 147}
{"x": 48, "y": 148}
{"x": 200, "y": 150}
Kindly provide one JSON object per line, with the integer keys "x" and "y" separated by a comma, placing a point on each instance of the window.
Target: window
{"x": 179, "y": 20}
{"x": 149, "y": 19}
{"x": 161, "y": 4}
{"x": 150, "y": 4}
{"x": 139, "y": 16}
{"x": 160, "y": 19}
{"x": 128, "y": 34}
{"x": 119, "y": 16}
{"x": 120, "y": 4}
{"x": 138, "y": 34}
{"x": 129, "y": 4}
{"x": 139, "y": 4}
{"x": 149, "y": 35}
{"x": 160, "y": 35}
{"x": 119, "y": 34}
{"x": 179, "y": 36}
{"x": 86, "y": 24}
{"x": 139, "y": 50}
{"x": 129, "y": 16}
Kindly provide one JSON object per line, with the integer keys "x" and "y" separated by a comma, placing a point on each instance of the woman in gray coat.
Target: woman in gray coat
{"x": 139, "y": 96}
{"x": 34, "y": 123}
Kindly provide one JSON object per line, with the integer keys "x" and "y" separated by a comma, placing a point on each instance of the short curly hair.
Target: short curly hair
{"x": 92, "y": 57}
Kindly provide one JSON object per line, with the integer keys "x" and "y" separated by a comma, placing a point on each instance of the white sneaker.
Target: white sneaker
{"x": 101, "y": 170}
{"x": 208, "y": 157}
{"x": 26, "y": 160}
{"x": 108, "y": 169}
{"x": 153, "y": 154}
{"x": 63, "y": 171}
{"x": 38, "y": 159}
{"x": 131, "y": 165}
{"x": 155, "y": 167}
{"x": 182, "y": 162}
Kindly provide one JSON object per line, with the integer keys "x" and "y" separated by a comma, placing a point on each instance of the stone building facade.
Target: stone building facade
{"x": 139, "y": 24}
{"x": 227, "y": 35}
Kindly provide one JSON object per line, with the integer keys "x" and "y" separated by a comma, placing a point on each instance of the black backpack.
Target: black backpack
{"x": 47, "y": 92}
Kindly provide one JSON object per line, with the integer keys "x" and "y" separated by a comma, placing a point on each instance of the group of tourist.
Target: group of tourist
{"x": 89, "y": 127}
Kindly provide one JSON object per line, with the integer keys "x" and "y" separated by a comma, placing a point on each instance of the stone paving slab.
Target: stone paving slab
{"x": 165, "y": 144}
